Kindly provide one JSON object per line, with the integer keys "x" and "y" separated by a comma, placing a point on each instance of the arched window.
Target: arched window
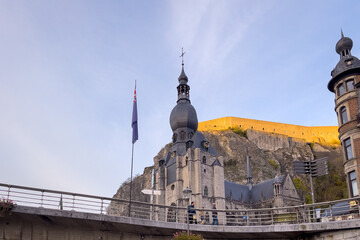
{"x": 206, "y": 191}
{"x": 191, "y": 134}
{"x": 182, "y": 135}
{"x": 204, "y": 160}
{"x": 343, "y": 115}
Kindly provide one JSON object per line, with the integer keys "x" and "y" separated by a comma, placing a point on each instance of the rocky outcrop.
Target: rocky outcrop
{"x": 271, "y": 155}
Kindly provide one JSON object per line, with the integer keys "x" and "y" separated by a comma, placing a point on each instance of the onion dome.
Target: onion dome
{"x": 343, "y": 44}
{"x": 183, "y": 115}
{"x": 347, "y": 64}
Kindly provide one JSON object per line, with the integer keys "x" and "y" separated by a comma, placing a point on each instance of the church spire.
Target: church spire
{"x": 183, "y": 88}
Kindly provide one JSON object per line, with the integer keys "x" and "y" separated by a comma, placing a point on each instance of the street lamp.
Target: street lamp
{"x": 187, "y": 194}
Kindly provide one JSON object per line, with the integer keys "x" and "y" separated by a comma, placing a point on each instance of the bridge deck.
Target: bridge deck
{"x": 59, "y": 222}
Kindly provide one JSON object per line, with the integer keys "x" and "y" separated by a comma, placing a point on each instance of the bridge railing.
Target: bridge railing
{"x": 345, "y": 209}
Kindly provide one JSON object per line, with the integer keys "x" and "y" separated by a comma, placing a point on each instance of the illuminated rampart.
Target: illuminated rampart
{"x": 328, "y": 134}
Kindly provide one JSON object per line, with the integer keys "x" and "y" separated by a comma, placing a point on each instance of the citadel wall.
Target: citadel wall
{"x": 323, "y": 134}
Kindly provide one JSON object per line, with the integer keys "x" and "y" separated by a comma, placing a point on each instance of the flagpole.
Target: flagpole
{"x": 132, "y": 160}
{"x": 134, "y": 138}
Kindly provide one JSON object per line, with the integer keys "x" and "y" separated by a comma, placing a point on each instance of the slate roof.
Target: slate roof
{"x": 196, "y": 142}
{"x": 243, "y": 193}
{"x": 348, "y": 64}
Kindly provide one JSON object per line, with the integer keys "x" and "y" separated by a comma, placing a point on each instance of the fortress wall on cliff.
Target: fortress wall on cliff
{"x": 327, "y": 134}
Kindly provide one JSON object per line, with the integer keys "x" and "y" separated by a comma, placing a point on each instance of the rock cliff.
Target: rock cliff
{"x": 271, "y": 155}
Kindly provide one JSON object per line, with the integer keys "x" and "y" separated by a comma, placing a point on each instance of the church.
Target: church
{"x": 192, "y": 163}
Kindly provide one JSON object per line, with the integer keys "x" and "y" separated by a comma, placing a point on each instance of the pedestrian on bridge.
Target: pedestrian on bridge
{"x": 214, "y": 215}
{"x": 191, "y": 212}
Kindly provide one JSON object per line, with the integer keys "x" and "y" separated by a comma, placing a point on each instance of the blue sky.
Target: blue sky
{"x": 67, "y": 72}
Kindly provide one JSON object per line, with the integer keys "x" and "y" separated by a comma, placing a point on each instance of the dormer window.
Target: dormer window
{"x": 189, "y": 144}
{"x": 182, "y": 135}
{"x": 348, "y": 62}
{"x": 191, "y": 134}
{"x": 205, "y": 145}
{"x": 174, "y": 137}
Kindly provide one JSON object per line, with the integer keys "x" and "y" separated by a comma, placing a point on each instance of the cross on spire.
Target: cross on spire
{"x": 182, "y": 55}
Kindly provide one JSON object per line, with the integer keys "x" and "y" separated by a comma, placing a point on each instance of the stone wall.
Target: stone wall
{"x": 328, "y": 134}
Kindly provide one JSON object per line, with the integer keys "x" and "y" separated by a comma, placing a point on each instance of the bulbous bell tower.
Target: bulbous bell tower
{"x": 190, "y": 162}
{"x": 345, "y": 83}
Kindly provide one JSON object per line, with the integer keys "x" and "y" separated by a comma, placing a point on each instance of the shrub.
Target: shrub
{"x": 183, "y": 236}
{"x": 6, "y": 205}
{"x": 239, "y": 131}
{"x": 298, "y": 183}
{"x": 274, "y": 164}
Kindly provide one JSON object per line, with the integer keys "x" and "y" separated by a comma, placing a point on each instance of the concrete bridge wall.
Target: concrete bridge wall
{"x": 27, "y": 223}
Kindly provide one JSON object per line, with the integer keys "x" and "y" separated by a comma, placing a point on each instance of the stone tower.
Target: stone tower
{"x": 345, "y": 83}
{"x": 191, "y": 162}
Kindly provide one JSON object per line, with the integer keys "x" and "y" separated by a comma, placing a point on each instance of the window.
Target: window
{"x": 350, "y": 85}
{"x": 204, "y": 160}
{"x": 341, "y": 89}
{"x": 205, "y": 145}
{"x": 206, "y": 191}
{"x": 191, "y": 134}
{"x": 348, "y": 149}
{"x": 174, "y": 138}
{"x": 182, "y": 135}
{"x": 343, "y": 115}
{"x": 353, "y": 184}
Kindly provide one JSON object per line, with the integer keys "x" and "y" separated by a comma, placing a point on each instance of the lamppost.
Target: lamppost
{"x": 187, "y": 194}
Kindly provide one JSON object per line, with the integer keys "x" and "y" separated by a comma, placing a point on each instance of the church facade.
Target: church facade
{"x": 193, "y": 163}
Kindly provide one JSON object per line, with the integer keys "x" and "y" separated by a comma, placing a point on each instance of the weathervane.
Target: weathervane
{"x": 182, "y": 55}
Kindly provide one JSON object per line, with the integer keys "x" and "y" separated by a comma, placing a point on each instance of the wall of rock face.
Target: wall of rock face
{"x": 271, "y": 155}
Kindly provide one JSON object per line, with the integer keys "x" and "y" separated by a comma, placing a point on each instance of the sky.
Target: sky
{"x": 68, "y": 70}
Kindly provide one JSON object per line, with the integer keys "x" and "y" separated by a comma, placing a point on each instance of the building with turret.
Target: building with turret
{"x": 345, "y": 83}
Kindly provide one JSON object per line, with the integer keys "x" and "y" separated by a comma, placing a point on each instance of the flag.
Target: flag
{"x": 134, "y": 123}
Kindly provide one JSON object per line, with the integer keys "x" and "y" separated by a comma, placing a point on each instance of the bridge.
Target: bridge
{"x": 49, "y": 214}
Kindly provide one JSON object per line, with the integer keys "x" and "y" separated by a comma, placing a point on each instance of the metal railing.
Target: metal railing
{"x": 345, "y": 209}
